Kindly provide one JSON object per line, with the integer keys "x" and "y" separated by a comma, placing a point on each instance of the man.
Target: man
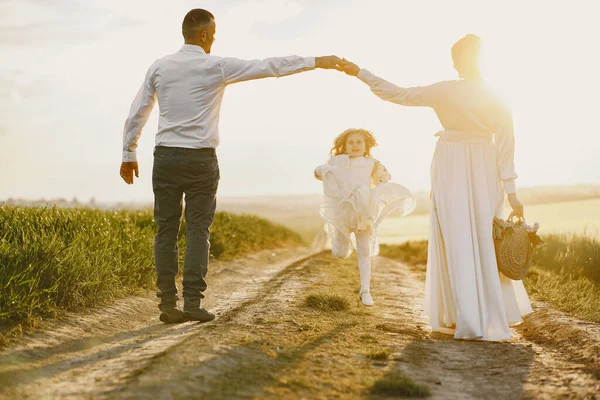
{"x": 189, "y": 86}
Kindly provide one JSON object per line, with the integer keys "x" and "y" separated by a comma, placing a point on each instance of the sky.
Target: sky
{"x": 70, "y": 70}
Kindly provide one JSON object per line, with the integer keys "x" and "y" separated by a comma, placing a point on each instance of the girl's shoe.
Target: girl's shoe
{"x": 366, "y": 298}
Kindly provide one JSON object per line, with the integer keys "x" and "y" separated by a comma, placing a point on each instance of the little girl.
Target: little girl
{"x": 357, "y": 198}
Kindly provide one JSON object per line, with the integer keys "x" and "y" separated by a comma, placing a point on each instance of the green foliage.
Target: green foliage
{"x": 70, "y": 258}
{"x": 66, "y": 259}
{"x": 233, "y": 234}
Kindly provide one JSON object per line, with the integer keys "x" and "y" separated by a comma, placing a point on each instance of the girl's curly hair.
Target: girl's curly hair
{"x": 339, "y": 144}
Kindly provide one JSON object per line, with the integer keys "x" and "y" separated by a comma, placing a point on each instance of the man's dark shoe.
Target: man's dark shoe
{"x": 198, "y": 314}
{"x": 171, "y": 315}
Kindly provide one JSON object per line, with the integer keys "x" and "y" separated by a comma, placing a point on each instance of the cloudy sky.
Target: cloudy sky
{"x": 71, "y": 68}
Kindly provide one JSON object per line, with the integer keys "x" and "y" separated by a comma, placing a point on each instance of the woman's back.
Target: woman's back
{"x": 468, "y": 105}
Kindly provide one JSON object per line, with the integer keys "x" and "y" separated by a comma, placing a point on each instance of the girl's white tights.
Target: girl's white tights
{"x": 363, "y": 251}
{"x": 340, "y": 246}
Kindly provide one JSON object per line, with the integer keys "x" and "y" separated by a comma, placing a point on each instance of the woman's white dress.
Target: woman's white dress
{"x": 465, "y": 295}
{"x": 357, "y": 197}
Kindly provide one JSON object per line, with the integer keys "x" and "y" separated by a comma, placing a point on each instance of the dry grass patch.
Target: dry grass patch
{"x": 379, "y": 354}
{"x": 326, "y": 346}
{"x": 327, "y": 302}
{"x": 399, "y": 385}
{"x": 368, "y": 338}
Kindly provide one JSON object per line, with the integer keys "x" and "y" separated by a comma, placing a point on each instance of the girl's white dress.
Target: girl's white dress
{"x": 465, "y": 295}
{"x": 357, "y": 197}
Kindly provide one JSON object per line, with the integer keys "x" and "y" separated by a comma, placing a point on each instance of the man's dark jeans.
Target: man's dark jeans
{"x": 194, "y": 173}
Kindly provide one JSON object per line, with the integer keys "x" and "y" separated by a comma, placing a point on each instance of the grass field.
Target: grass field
{"x": 55, "y": 259}
{"x": 580, "y": 217}
{"x": 558, "y": 209}
{"x": 565, "y": 271}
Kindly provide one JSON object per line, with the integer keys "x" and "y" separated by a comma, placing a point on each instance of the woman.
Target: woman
{"x": 465, "y": 295}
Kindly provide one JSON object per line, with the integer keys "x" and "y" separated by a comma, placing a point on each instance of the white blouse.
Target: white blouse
{"x": 463, "y": 106}
{"x": 358, "y": 194}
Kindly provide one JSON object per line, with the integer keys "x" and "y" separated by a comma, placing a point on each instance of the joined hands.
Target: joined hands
{"x": 328, "y": 62}
{"x": 349, "y": 67}
{"x": 334, "y": 62}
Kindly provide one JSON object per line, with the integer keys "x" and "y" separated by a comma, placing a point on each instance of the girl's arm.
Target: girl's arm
{"x": 380, "y": 174}
{"x": 318, "y": 175}
{"x": 321, "y": 170}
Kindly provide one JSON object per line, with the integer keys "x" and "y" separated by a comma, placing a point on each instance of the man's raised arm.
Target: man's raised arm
{"x": 237, "y": 70}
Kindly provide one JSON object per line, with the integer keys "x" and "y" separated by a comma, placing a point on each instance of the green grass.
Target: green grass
{"x": 566, "y": 274}
{"x": 236, "y": 234}
{"x": 55, "y": 259}
{"x": 565, "y": 271}
{"x": 397, "y": 384}
{"x": 570, "y": 255}
{"x": 577, "y": 296}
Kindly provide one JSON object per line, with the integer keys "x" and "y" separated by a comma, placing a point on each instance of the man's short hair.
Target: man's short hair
{"x": 195, "y": 20}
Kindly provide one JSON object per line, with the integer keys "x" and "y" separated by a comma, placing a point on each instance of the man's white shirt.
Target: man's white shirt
{"x": 189, "y": 86}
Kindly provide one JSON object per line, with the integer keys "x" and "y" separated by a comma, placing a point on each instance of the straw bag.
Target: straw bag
{"x": 514, "y": 243}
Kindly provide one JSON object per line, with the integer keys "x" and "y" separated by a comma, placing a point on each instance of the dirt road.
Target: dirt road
{"x": 268, "y": 343}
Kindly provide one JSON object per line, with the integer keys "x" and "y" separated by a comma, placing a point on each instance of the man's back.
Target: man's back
{"x": 189, "y": 87}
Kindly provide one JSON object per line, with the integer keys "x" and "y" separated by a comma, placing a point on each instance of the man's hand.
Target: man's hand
{"x": 328, "y": 62}
{"x": 516, "y": 205}
{"x": 127, "y": 170}
{"x": 349, "y": 68}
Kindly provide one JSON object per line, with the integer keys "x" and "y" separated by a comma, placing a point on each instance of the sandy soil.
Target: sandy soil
{"x": 266, "y": 344}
